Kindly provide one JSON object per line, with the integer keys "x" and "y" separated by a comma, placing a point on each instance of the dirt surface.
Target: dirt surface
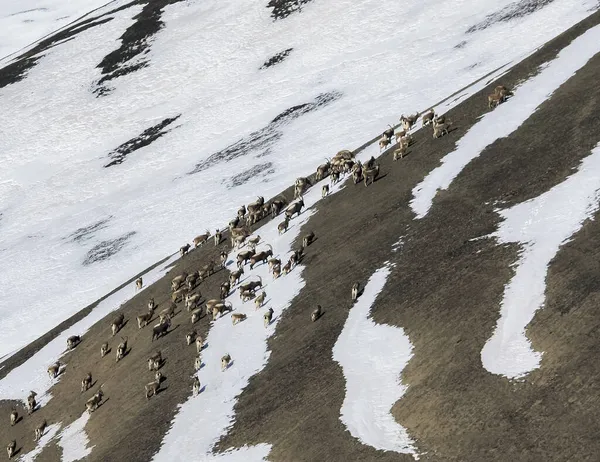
{"x": 444, "y": 291}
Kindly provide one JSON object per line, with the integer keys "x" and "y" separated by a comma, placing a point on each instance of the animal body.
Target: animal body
{"x": 31, "y": 402}
{"x": 139, "y": 283}
{"x": 104, "y": 349}
{"x": 117, "y": 324}
{"x": 225, "y": 360}
{"x": 86, "y": 382}
{"x": 122, "y": 349}
{"x": 324, "y": 190}
{"x": 316, "y": 314}
{"x": 39, "y": 430}
{"x": 355, "y": 288}
{"x": 73, "y": 341}
{"x": 183, "y": 250}
{"x": 54, "y": 369}
{"x": 237, "y": 317}
{"x": 258, "y": 301}
{"x": 371, "y": 174}
{"x": 161, "y": 329}
{"x": 268, "y": 317}
{"x": 94, "y": 402}
{"x": 14, "y": 416}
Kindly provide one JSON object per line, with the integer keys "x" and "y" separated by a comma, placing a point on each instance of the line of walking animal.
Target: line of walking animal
{"x": 183, "y": 285}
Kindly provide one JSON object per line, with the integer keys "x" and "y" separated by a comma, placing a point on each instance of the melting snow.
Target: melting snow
{"x": 74, "y": 441}
{"x": 541, "y": 225}
{"x": 372, "y": 357}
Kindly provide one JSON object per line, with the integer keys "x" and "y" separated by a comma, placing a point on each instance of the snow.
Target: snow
{"x": 541, "y": 225}
{"x": 49, "y": 433}
{"x": 506, "y": 118}
{"x": 205, "y": 66}
{"x": 74, "y": 441}
{"x": 372, "y": 357}
{"x": 203, "y": 419}
{"x": 23, "y": 22}
{"x": 32, "y": 374}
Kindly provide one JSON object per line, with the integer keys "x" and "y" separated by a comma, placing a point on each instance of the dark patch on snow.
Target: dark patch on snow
{"x": 276, "y": 59}
{"x": 106, "y": 249}
{"x": 260, "y": 142}
{"x": 27, "y": 11}
{"x": 19, "y": 67}
{"x": 135, "y": 42}
{"x": 283, "y": 8}
{"x": 87, "y": 232}
{"x": 148, "y": 136}
{"x": 509, "y": 12}
{"x": 242, "y": 178}
{"x": 460, "y": 45}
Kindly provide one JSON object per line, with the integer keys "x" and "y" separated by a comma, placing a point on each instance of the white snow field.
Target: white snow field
{"x": 23, "y": 22}
{"x": 209, "y": 415}
{"x": 541, "y": 225}
{"x": 372, "y": 357}
{"x": 506, "y": 118}
{"x": 59, "y": 207}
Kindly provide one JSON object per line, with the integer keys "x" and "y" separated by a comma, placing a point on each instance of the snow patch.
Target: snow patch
{"x": 372, "y": 357}
{"x": 74, "y": 441}
{"x": 41, "y": 444}
{"x": 541, "y": 225}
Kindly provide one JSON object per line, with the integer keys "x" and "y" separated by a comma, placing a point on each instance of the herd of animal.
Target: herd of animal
{"x": 184, "y": 286}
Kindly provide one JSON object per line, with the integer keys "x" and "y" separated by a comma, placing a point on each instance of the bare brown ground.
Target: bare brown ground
{"x": 444, "y": 291}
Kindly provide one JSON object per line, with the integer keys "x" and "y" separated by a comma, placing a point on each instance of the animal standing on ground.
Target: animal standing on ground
{"x": 324, "y": 190}
{"x": 283, "y": 226}
{"x": 316, "y": 314}
{"x": 200, "y": 240}
{"x": 260, "y": 299}
{"x": 161, "y": 329}
{"x": 92, "y": 404}
{"x": 14, "y": 416}
{"x": 225, "y": 361}
{"x": 122, "y": 349}
{"x": 408, "y": 122}
{"x": 195, "y": 385}
{"x": 268, "y": 317}
{"x": 355, "y": 287}
{"x": 152, "y": 389}
{"x": 144, "y": 319}
{"x": 11, "y": 447}
{"x": 54, "y": 369}
{"x": 39, "y": 430}
{"x": 86, "y": 382}
{"x": 184, "y": 249}
{"x": 117, "y": 324}
{"x": 31, "y": 402}
{"x": 427, "y": 117}
{"x": 73, "y": 341}
{"x": 103, "y": 350}
{"x": 372, "y": 173}
{"x": 139, "y": 282}
{"x": 218, "y": 237}
{"x": 155, "y": 361}
{"x": 308, "y": 239}
{"x": 237, "y": 317}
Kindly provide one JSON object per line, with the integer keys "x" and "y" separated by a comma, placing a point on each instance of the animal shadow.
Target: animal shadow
{"x": 379, "y": 178}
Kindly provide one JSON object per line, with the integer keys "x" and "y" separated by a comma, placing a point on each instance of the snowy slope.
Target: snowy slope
{"x": 83, "y": 215}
